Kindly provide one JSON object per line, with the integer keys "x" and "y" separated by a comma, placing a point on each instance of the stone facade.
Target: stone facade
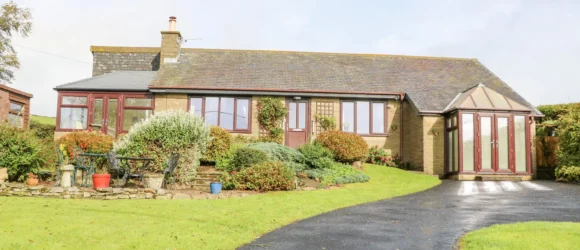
{"x": 110, "y": 59}
{"x": 412, "y": 138}
{"x": 434, "y": 145}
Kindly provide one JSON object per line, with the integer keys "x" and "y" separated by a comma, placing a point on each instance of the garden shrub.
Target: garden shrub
{"x": 568, "y": 173}
{"x": 219, "y": 144}
{"x": 88, "y": 142}
{"x": 43, "y": 131}
{"x": 379, "y": 156}
{"x": 246, "y": 157}
{"x": 317, "y": 156}
{"x": 278, "y": 152}
{"x": 225, "y": 163}
{"x": 21, "y": 152}
{"x": 267, "y": 176}
{"x": 228, "y": 182}
{"x": 326, "y": 122}
{"x": 166, "y": 133}
{"x": 337, "y": 174}
{"x": 346, "y": 147}
{"x": 295, "y": 166}
{"x": 569, "y": 137}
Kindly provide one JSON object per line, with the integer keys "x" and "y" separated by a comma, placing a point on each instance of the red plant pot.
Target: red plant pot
{"x": 101, "y": 180}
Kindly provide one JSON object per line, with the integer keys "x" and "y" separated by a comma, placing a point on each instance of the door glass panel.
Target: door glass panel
{"x": 227, "y": 113}
{"x": 378, "y": 118}
{"x": 520, "y": 142}
{"x": 362, "y": 118}
{"x": 211, "y": 110}
{"x": 455, "y": 151}
{"x": 302, "y": 115}
{"x": 450, "y": 151}
{"x": 112, "y": 117}
{"x": 502, "y": 143}
{"x": 468, "y": 142}
{"x": 348, "y": 116}
{"x": 292, "y": 115}
{"x": 98, "y": 112}
{"x": 486, "y": 141}
{"x": 242, "y": 114}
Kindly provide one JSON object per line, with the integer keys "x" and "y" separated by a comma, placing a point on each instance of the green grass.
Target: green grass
{"x": 28, "y": 223}
{"x": 525, "y": 236}
{"x": 43, "y": 119}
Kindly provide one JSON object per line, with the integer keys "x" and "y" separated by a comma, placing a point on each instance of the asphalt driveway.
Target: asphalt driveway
{"x": 433, "y": 219}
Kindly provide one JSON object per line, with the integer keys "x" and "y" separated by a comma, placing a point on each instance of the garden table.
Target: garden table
{"x": 87, "y": 167}
{"x": 124, "y": 160}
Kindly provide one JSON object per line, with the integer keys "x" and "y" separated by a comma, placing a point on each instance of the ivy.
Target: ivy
{"x": 271, "y": 113}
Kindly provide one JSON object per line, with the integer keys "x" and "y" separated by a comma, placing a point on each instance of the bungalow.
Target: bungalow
{"x": 442, "y": 116}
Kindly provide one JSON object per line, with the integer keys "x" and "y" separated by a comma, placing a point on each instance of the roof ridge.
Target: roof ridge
{"x": 332, "y": 53}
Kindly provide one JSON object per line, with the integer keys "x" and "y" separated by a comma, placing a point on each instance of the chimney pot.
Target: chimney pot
{"x": 172, "y": 21}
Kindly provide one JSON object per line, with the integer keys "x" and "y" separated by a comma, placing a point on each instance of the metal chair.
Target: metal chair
{"x": 114, "y": 167}
{"x": 171, "y": 165}
{"x": 80, "y": 163}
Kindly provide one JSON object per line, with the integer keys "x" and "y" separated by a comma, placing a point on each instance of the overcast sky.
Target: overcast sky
{"x": 534, "y": 46}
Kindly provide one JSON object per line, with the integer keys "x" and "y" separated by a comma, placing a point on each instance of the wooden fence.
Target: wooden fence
{"x": 546, "y": 148}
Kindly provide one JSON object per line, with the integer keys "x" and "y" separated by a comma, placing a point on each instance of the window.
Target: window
{"x": 15, "y": 115}
{"x": 73, "y": 112}
{"x": 363, "y": 117}
{"x": 136, "y": 109}
{"x": 231, "y": 113}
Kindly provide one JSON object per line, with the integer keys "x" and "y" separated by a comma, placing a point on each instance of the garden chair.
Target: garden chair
{"x": 57, "y": 174}
{"x": 171, "y": 165}
{"x": 114, "y": 167}
{"x": 81, "y": 164}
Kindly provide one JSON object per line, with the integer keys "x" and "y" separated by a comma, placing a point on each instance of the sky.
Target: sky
{"x": 534, "y": 46}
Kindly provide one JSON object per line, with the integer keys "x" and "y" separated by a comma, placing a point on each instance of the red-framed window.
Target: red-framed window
{"x": 136, "y": 108}
{"x": 231, "y": 113}
{"x": 73, "y": 111}
{"x": 363, "y": 117}
{"x": 15, "y": 114}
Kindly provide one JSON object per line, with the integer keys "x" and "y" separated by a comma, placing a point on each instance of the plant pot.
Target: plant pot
{"x": 215, "y": 187}
{"x": 32, "y": 180}
{"x": 101, "y": 180}
{"x": 154, "y": 181}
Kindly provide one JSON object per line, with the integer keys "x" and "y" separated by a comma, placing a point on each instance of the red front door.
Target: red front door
{"x": 297, "y": 123}
{"x": 105, "y": 113}
{"x": 495, "y": 143}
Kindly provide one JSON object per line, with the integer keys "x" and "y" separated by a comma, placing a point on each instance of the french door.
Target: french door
{"x": 495, "y": 143}
{"x": 105, "y": 112}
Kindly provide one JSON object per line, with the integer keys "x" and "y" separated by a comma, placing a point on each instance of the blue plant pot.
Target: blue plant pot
{"x": 215, "y": 187}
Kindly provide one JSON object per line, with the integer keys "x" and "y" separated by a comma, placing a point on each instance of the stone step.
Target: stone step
{"x": 204, "y": 180}
{"x": 501, "y": 178}
{"x": 209, "y": 174}
{"x": 201, "y": 187}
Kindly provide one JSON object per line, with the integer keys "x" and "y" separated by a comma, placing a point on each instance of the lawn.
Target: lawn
{"x": 525, "y": 235}
{"x": 43, "y": 119}
{"x": 28, "y": 223}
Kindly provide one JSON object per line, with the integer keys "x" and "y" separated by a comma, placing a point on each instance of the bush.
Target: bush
{"x": 568, "y": 173}
{"x": 295, "y": 166}
{"x": 317, "y": 156}
{"x": 166, "y": 133}
{"x": 271, "y": 113}
{"x": 278, "y": 152}
{"x": 88, "y": 142}
{"x": 226, "y": 162}
{"x": 246, "y": 157}
{"x": 43, "y": 131}
{"x": 379, "y": 156}
{"x": 267, "y": 176}
{"x": 219, "y": 145}
{"x": 346, "y": 147}
{"x": 326, "y": 122}
{"x": 569, "y": 137}
{"x": 22, "y": 153}
{"x": 337, "y": 174}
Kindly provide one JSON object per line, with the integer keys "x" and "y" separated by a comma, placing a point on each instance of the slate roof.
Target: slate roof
{"x": 116, "y": 81}
{"x": 431, "y": 83}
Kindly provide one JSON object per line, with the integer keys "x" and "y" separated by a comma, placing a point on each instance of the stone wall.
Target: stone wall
{"x": 412, "y": 137}
{"x": 434, "y": 145}
{"x": 110, "y": 59}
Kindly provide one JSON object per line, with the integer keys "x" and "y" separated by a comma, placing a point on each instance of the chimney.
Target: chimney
{"x": 170, "y": 43}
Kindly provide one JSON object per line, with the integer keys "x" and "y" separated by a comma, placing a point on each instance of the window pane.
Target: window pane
{"x": 227, "y": 113}
{"x": 16, "y": 107}
{"x": 211, "y": 110}
{"x": 73, "y": 118}
{"x": 362, "y": 117}
{"x": 15, "y": 120}
{"x": 468, "y": 142}
{"x": 242, "y": 114}
{"x": 486, "y": 142}
{"x": 98, "y": 111}
{"x": 195, "y": 105}
{"x": 520, "y": 142}
{"x": 292, "y": 115}
{"x": 502, "y": 143}
{"x": 138, "y": 102}
{"x": 76, "y": 100}
{"x": 455, "y": 151}
{"x": 133, "y": 116}
{"x": 302, "y": 115}
{"x": 450, "y": 151}
{"x": 378, "y": 118}
{"x": 348, "y": 116}
{"x": 112, "y": 117}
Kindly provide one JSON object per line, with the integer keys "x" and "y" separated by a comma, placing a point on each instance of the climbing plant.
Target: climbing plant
{"x": 326, "y": 122}
{"x": 271, "y": 113}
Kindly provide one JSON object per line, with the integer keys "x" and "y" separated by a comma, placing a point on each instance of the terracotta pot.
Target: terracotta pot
{"x": 101, "y": 180}
{"x": 32, "y": 180}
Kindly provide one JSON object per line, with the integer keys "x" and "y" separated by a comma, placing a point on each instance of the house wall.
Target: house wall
{"x": 434, "y": 145}
{"x": 109, "y": 59}
{"x": 8, "y": 94}
{"x": 412, "y": 137}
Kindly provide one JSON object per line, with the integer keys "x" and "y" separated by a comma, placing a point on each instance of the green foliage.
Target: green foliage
{"x": 166, "y": 133}
{"x": 271, "y": 113}
{"x": 43, "y": 119}
{"x": 226, "y": 162}
{"x": 295, "y": 166}
{"x": 569, "y": 137}
{"x": 267, "y": 176}
{"x": 568, "y": 173}
{"x": 219, "y": 145}
{"x": 87, "y": 142}
{"x": 245, "y": 139}
{"x": 326, "y": 122}
{"x": 346, "y": 147}
{"x": 337, "y": 174}
{"x": 317, "y": 156}
{"x": 278, "y": 152}
{"x": 22, "y": 153}
{"x": 379, "y": 156}
{"x": 246, "y": 157}
{"x": 12, "y": 20}
{"x": 43, "y": 131}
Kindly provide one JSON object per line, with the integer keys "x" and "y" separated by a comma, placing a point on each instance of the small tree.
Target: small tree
{"x": 569, "y": 134}
{"x": 12, "y": 20}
